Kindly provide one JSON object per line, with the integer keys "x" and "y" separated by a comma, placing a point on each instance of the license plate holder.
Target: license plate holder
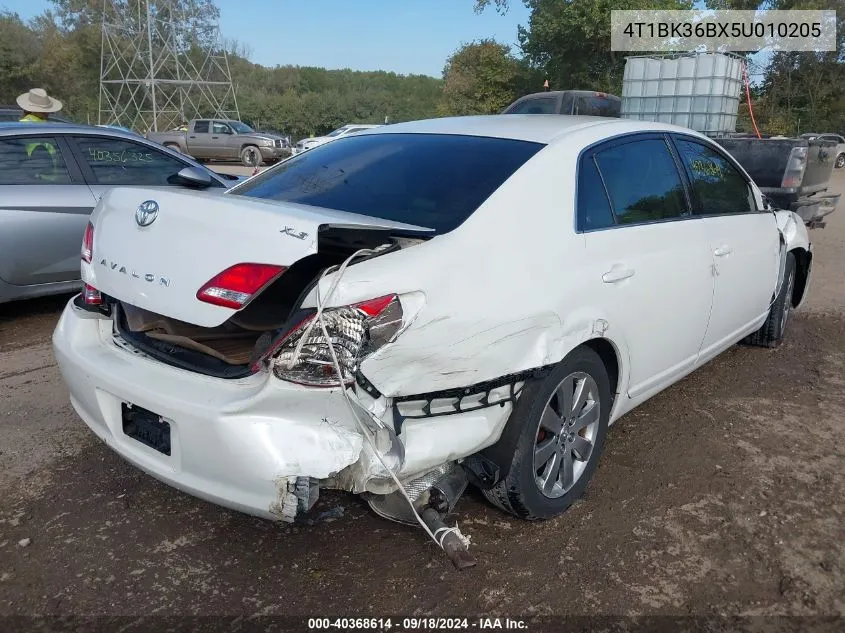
{"x": 146, "y": 427}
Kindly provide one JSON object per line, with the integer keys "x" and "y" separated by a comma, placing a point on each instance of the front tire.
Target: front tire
{"x": 840, "y": 161}
{"x": 774, "y": 329}
{"x": 251, "y": 156}
{"x": 563, "y": 419}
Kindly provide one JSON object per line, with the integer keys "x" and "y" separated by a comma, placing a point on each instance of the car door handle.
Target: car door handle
{"x": 192, "y": 136}
{"x": 215, "y": 137}
{"x": 723, "y": 250}
{"x": 617, "y": 274}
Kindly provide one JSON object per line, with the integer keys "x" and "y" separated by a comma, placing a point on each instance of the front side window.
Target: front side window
{"x": 717, "y": 185}
{"x": 431, "y": 180}
{"x": 220, "y": 128}
{"x": 119, "y": 162}
{"x": 201, "y": 127}
{"x": 32, "y": 161}
{"x": 643, "y": 182}
{"x": 541, "y": 105}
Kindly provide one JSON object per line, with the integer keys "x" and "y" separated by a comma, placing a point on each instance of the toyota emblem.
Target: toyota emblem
{"x": 146, "y": 213}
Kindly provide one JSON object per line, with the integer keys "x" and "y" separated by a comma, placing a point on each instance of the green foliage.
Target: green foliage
{"x": 569, "y": 41}
{"x": 482, "y": 78}
{"x": 304, "y": 101}
{"x": 60, "y": 51}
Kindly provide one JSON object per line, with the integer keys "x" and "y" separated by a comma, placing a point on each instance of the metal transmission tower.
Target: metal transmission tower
{"x": 162, "y": 63}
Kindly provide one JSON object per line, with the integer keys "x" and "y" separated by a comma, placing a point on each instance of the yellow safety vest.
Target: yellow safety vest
{"x": 31, "y": 118}
{"x": 30, "y": 147}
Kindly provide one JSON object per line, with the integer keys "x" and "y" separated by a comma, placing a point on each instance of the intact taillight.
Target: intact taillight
{"x": 355, "y": 332}
{"x": 91, "y": 295}
{"x": 235, "y": 286}
{"x": 87, "y": 252}
{"x": 795, "y": 167}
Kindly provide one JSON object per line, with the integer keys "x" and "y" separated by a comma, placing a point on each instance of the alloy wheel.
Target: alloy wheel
{"x": 566, "y": 434}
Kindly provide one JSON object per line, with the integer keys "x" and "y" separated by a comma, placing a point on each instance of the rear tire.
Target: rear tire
{"x": 251, "y": 156}
{"x": 563, "y": 419}
{"x": 840, "y": 161}
{"x": 772, "y": 333}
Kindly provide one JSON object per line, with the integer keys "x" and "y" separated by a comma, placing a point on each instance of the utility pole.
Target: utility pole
{"x": 150, "y": 78}
{"x": 152, "y": 66}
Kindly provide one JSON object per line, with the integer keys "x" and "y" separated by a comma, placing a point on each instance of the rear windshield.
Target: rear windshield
{"x": 431, "y": 180}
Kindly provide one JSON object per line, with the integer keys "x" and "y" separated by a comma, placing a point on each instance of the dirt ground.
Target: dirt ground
{"x": 725, "y": 494}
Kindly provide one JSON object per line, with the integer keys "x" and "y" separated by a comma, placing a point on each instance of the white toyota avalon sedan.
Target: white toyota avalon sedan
{"x": 476, "y": 298}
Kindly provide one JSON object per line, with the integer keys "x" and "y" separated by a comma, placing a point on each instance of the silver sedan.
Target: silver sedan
{"x": 51, "y": 177}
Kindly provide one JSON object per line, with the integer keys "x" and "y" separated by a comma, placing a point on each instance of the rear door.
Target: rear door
{"x": 649, "y": 260}
{"x": 744, "y": 242}
{"x": 115, "y": 162}
{"x": 44, "y": 207}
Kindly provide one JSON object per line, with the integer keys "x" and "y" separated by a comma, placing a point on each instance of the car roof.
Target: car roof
{"x": 537, "y": 128}
{"x": 14, "y": 128}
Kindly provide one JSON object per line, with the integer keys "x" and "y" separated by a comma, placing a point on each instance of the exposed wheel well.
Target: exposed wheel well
{"x": 607, "y": 353}
{"x": 802, "y": 273}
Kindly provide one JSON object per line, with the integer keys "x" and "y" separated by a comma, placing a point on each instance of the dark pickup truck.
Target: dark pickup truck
{"x": 794, "y": 173}
{"x": 586, "y": 102}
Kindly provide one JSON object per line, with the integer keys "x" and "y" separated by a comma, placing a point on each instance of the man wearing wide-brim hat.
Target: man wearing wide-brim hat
{"x": 36, "y": 105}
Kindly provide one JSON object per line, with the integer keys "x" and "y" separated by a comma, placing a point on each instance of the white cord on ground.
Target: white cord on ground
{"x": 451, "y": 530}
{"x": 318, "y": 318}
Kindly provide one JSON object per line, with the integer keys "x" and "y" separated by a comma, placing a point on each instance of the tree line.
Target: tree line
{"x": 565, "y": 42}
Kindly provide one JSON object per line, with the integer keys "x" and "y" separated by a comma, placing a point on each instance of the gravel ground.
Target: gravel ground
{"x": 725, "y": 494}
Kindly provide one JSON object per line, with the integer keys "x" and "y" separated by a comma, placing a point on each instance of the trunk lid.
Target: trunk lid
{"x": 192, "y": 237}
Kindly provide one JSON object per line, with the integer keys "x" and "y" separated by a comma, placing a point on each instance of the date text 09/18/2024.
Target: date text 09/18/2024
{"x": 416, "y": 624}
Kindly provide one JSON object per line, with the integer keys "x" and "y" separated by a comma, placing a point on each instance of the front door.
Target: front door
{"x": 225, "y": 140}
{"x": 43, "y": 211}
{"x": 200, "y": 144}
{"x": 648, "y": 258}
{"x": 743, "y": 243}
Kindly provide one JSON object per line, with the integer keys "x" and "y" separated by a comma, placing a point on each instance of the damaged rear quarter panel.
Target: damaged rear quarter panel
{"x": 503, "y": 292}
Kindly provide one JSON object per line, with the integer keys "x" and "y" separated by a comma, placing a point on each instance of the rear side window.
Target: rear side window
{"x": 717, "y": 186}
{"x": 32, "y": 161}
{"x": 541, "y": 105}
{"x": 643, "y": 181}
{"x": 597, "y": 105}
{"x": 431, "y": 180}
{"x": 118, "y": 162}
{"x": 593, "y": 207}
{"x": 201, "y": 127}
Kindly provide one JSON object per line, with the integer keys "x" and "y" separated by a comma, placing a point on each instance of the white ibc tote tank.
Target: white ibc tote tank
{"x": 697, "y": 90}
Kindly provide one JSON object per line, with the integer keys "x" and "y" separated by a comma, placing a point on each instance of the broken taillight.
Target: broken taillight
{"x": 235, "y": 286}
{"x": 91, "y": 295}
{"x": 87, "y": 252}
{"x": 355, "y": 332}
{"x": 795, "y": 167}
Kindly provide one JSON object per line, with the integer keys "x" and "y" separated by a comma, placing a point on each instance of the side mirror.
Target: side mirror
{"x": 191, "y": 177}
